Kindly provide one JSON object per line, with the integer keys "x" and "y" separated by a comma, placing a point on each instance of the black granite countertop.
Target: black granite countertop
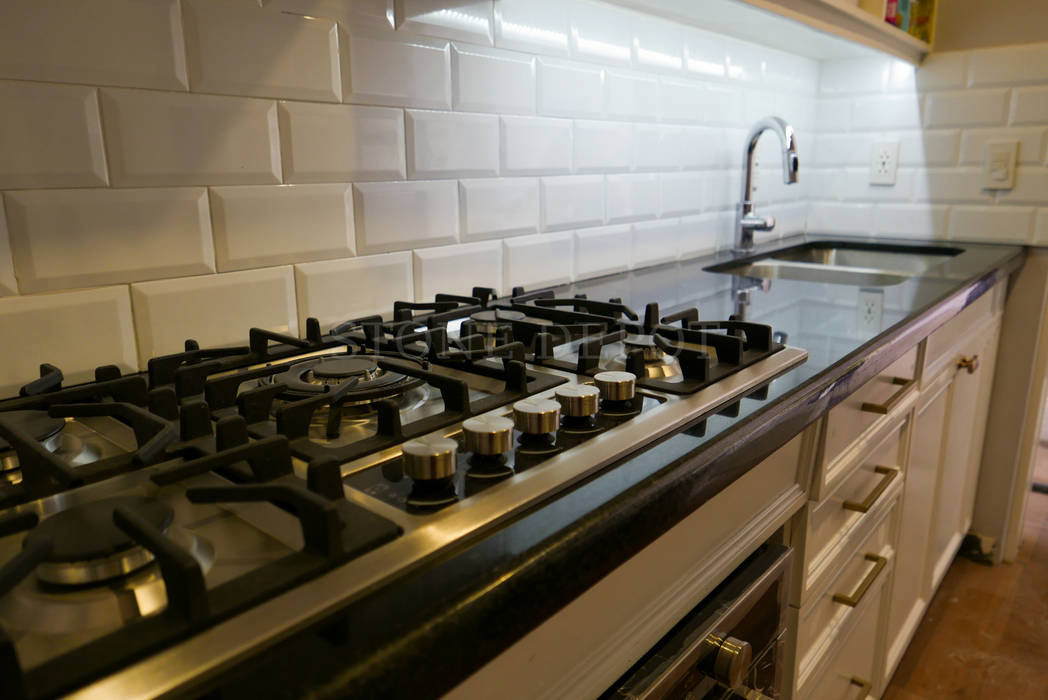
{"x": 423, "y": 634}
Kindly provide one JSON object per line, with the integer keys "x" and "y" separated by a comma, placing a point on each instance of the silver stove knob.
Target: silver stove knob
{"x": 536, "y": 416}
{"x": 488, "y": 435}
{"x": 430, "y": 457}
{"x": 616, "y": 386}
{"x": 578, "y": 400}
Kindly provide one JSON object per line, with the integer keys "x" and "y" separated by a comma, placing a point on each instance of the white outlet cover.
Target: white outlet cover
{"x": 870, "y": 312}
{"x": 884, "y": 163}
{"x": 999, "y": 165}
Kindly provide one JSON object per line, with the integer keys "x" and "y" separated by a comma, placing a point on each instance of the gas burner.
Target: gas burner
{"x": 49, "y": 432}
{"x": 313, "y": 377}
{"x": 657, "y": 364}
{"x": 491, "y": 321}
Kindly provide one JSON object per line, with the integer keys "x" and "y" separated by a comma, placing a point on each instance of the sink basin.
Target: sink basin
{"x": 842, "y": 262}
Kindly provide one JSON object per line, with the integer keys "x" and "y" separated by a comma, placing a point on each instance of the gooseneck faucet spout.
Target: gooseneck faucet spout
{"x": 746, "y": 222}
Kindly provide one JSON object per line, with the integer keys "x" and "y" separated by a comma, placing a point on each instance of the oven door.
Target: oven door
{"x": 729, "y": 646}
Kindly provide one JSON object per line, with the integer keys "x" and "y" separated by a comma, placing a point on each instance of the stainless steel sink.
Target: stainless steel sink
{"x": 841, "y": 262}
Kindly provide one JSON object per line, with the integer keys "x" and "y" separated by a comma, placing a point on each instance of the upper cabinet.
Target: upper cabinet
{"x": 822, "y": 29}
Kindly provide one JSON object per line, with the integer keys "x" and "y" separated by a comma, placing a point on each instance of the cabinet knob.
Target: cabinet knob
{"x": 969, "y": 363}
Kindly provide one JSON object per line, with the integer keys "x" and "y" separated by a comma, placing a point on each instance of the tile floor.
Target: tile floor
{"x": 985, "y": 634}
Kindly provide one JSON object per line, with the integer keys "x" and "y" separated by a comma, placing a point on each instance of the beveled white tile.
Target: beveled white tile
{"x": 651, "y": 147}
{"x": 835, "y": 115}
{"x": 603, "y": 146}
{"x": 166, "y": 138}
{"x": 492, "y": 80}
{"x": 681, "y": 101}
{"x": 658, "y": 44}
{"x": 929, "y": 147}
{"x": 603, "y": 250}
{"x": 50, "y": 136}
{"x": 704, "y": 233}
{"x": 1009, "y": 65}
{"x": 568, "y": 89}
{"x": 833, "y": 217}
{"x": 886, "y": 112}
{"x": 451, "y": 144}
{"x": 722, "y": 105}
{"x": 265, "y": 225}
{"x": 496, "y": 207}
{"x": 80, "y": 331}
{"x": 401, "y": 215}
{"x": 842, "y": 149}
{"x": 949, "y": 185}
{"x": 632, "y": 197}
{"x": 61, "y": 239}
{"x": 339, "y": 143}
{"x": 8, "y": 285}
{"x": 704, "y": 53}
{"x": 538, "y": 261}
{"x": 167, "y": 312}
{"x": 456, "y": 269}
{"x": 535, "y": 26}
{"x": 996, "y": 224}
{"x": 1031, "y": 187}
{"x": 535, "y": 145}
{"x": 721, "y": 190}
{"x": 601, "y": 33}
{"x": 846, "y": 76}
{"x": 910, "y": 220}
{"x": 1029, "y": 106}
{"x": 469, "y": 21}
{"x": 104, "y": 42}
{"x": 967, "y": 108}
{"x": 943, "y": 71}
{"x": 234, "y": 49}
{"x": 791, "y": 74}
{"x": 338, "y": 290}
{"x": 701, "y": 147}
{"x": 572, "y": 201}
{"x": 681, "y": 193}
{"x": 656, "y": 242}
{"x": 744, "y": 61}
{"x": 630, "y": 95}
{"x": 385, "y": 69}
{"x": 1031, "y": 143}
{"x": 790, "y": 217}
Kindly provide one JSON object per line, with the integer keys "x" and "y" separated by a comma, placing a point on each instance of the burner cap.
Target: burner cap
{"x": 346, "y": 368}
{"x": 652, "y": 352}
{"x": 491, "y": 320}
{"x": 87, "y": 546}
{"x": 313, "y": 377}
{"x": 37, "y": 423}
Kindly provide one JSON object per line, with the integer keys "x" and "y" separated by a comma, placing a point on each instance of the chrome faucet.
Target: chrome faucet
{"x": 746, "y": 222}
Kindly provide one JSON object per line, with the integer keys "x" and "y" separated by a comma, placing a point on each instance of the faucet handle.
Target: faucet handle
{"x": 758, "y": 223}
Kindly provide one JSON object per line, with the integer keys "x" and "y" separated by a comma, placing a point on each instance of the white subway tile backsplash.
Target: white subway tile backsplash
{"x": 943, "y": 71}
{"x": 83, "y": 330}
{"x": 926, "y": 148}
{"x": 887, "y": 112}
{"x": 337, "y": 290}
{"x": 166, "y": 138}
{"x": 452, "y": 144}
{"x": 535, "y": 145}
{"x": 8, "y": 285}
{"x": 536, "y": 26}
{"x": 568, "y": 89}
{"x": 632, "y": 197}
{"x": 996, "y": 224}
{"x": 387, "y": 70}
{"x": 1031, "y": 143}
{"x": 967, "y": 108}
{"x": 681, "y": 193}
{"x": 339, "y": 143}
{"x": 601, "y": 33}
{"x": 834, "y": 115}
{"x": 723, "y": 106}
{"x": 630, "y": 95}
{"x": 704, "y": 53}
{"x": 656, "y": 242}
{"x": 167, "y": 312}
{"x": 537, "y": 261}
{"x": 650, "y": 152}
{"x": 745, "y": 61}
{"x": 658, "y": 44}
{"x": 790, "y": 218}
{"x": 949, "y": 185}
{"x": 493, "y": 208}
{"x": 467, "y": 20}
{"x": 1031, "y": 187}
{"x": 400, "y": 215}
{"x": 603, "y": 146}
{"x": 572, "y": 201}
{"x": 50, "y": 136}
{"x": 603, "y": 250}
{"x": 237, "y": 50}
{"x": 853, "y": 76}
{"x": 1010, "y": 65}
{"x": 456, "y": 269}
{"x": 61, "y": 239}
{"x": 104, "y": 42}
{"x": 1030, "y": 106}
{"x": 492, "y": 80}
{"x": 910, "y": 221}
{"x": 842, "y": 149}
{"x": 833, "y": 217}
{"x": 682, "y": 101}
{"x": 265, "y": 225}
{"x": 705, "y": 233}
{"x": 721, "y": 190}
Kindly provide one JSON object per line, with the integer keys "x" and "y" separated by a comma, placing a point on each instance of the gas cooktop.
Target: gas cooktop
{"x": 149, "y": 521}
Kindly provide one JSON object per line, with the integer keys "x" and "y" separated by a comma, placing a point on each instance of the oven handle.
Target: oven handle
{"x": 867, "y": 686}
{"x": 855, "y": 598}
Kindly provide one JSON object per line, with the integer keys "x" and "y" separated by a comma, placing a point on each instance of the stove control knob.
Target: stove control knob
{"x": 430, "y": 458}
{"x": 578, "y": 400}
{"x": 616, "y": 386}
{"x": 488, "y": 435}
{"x": 536, "y": 416}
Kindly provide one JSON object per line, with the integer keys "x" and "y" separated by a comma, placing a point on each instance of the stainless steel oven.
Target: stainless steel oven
{"x": 729, "y": 646}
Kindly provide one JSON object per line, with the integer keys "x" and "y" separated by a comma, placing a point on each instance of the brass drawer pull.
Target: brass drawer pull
{"x": 969, "y": 363}
{"x": 855, "y": 598}
{"x": 884, "y": 408}
{"x": 864, "y": 506}
{"x": 867, "y": 686}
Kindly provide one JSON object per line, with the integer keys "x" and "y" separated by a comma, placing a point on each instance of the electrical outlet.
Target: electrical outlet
{"x": 870, "y": 316}
{"x": 884, "y": 163}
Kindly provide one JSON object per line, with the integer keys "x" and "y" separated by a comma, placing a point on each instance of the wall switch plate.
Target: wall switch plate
{"x": 884, "y": 164}
{"x": 999, "y": 165}
{"x": 870, "y": 317}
